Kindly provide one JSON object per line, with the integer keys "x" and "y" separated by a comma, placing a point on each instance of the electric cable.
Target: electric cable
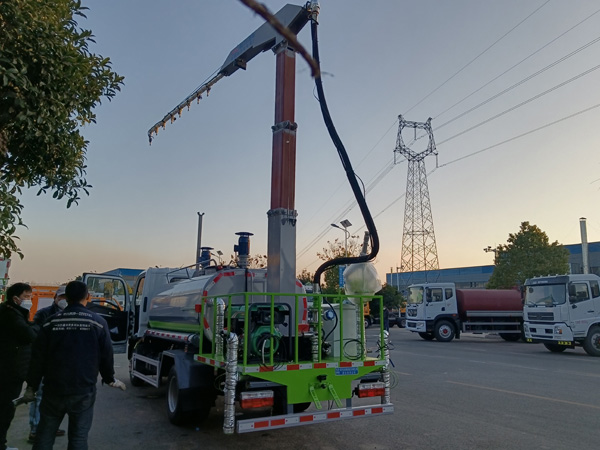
{"x": 477, "y": 57}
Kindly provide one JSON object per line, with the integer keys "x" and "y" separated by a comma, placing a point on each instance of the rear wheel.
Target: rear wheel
{"x": 426, "y": 336}
{"x": 510, "y": 337}
{"x": 591, "y": 345}
{"x": 444, "y": 331}
{"x": 554, "y": 348}
{"x": 174, "y": 410}
{"x": 367, "y": 322}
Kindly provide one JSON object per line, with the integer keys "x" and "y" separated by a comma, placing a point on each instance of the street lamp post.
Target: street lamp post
{"x": 345, "y": 224}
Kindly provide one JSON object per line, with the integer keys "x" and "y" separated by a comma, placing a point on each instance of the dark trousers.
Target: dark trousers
{"x": 79, "y": 408}
{"x": 9, "y": 390}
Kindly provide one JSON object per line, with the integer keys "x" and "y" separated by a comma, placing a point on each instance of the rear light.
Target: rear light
{"x": 371, "y": 389}
{"x": 256, "y": 399}
{"x": 198, "y": 308}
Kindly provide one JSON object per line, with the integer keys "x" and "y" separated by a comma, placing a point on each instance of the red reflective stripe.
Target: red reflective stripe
{"x": 307, "y": 418}
{"x": 377, "y": 410}
{"x": 298, "y": 284}
{"x": 218, "y": 277}
{"x": 345, "y": 364}
{"x": 359, "y": 412}
{"x": 265, "y": 369}
{"x": 206, "y": 325}
{"x": 333, "y": 415}
{"x": 320, "y": 365}
{"x": 369, "y": 363}
{"x": 262, "y": 424}
{"x": 293, "y": 367}
{"x": 276, "y": 422}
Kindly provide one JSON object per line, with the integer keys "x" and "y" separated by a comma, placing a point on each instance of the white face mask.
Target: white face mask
{"x": 27, "y": 304}
{"x": 62, "y": 304}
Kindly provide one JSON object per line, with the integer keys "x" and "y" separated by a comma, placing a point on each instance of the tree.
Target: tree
{"x": 334, "y": 250}
{"x": 391, "y": 299}
{"x": 50, "y": 84}
{"x": 527, "y": 254}
{"x": 305, "y": 277}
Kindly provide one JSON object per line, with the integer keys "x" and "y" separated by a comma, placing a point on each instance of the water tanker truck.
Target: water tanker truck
{"x": 440, "y": 311}
{"x": 275, "y": 358}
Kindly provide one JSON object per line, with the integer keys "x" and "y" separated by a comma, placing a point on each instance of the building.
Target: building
{"x": 478, "y": 276}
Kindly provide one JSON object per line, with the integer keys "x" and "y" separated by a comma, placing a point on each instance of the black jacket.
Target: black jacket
{"x": 16, "y": 337}
{"x": 72, "y": 347}
{"x": 42, "y": 314}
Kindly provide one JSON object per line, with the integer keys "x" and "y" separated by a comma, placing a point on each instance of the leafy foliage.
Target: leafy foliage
{"x": 50, "y": 83}
{"x": 305, "y": 277}
{"x": 334, "y": 250}
{"x": 527, "y": 253}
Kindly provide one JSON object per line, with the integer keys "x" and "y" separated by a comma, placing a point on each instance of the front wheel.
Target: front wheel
{"x": 367, "y": 322}
{"x": 426, "y": 336}
{"x": 554, "y": 348}
{"x": 402, "y": 323}
{"x": 444, "y": 331}
{"x": 591, "y": 345}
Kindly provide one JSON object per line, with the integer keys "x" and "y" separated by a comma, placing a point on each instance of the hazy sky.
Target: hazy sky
{"x": 499, "y": 162}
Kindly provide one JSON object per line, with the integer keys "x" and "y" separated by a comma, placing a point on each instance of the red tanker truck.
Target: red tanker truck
{"x": 440, "y": 311}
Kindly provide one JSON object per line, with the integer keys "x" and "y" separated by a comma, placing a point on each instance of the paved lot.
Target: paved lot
{"x": 475, "y": 393}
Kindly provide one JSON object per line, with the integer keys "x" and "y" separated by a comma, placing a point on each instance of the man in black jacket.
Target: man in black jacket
{"x": 59, "y": 303}
{"x": 72, "y": 347}
{"x": 16, "y": 336}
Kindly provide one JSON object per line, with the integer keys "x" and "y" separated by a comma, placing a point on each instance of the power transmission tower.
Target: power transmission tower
{"x": 419, "y": 251}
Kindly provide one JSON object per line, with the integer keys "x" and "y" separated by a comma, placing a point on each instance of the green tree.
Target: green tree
{"x": 391, "y": 299}
{"x": 334, "y": 250}
{"x": 527, "y": 254}
{"x": 50, "y": 84}
{"x": 305, "y": 277}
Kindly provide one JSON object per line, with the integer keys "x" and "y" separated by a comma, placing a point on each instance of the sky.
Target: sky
{"x": 511, "y": 87}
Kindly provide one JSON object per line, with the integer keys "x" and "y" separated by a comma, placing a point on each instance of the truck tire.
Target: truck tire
{"x": 444, "y": 331}
{"x": 510, "y": 337}
{"x": 174, "y": 410}
{"x": 367, "y": 322}
{"x": 591, "y": 345}
{"x": 554, "y": 348}
{"x": 426, "y": 336}
{"x": 402, "y": 323}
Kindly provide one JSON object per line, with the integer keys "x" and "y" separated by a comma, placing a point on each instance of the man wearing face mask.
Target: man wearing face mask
{"x": 60, "y": 303}
{"x": 16, "y": 337}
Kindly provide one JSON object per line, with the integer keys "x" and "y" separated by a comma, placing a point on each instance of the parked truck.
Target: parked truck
{"x": 563, "y": 311}
{"x": 440, "y": 311}
{"x": 216, "y": 331}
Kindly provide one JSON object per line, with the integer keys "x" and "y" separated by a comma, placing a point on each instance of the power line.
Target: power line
{"x": 517, "y": 64}
{"x": 535, "y": 97}
{"x": 474, "y": 59}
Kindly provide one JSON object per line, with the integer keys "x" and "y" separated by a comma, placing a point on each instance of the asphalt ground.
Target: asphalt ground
{"x": 478, "y": 393}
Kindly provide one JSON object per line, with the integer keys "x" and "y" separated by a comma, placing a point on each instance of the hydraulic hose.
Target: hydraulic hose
{"x": 358, "y": 194}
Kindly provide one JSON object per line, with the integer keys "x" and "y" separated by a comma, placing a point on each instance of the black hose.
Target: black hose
{"x": 358, "y": 194}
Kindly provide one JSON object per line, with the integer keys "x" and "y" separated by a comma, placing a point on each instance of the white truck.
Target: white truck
{"x": 440, "y": 311}
{"x": 563, "y": 311}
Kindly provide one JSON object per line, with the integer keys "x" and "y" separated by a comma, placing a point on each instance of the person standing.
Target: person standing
{"x": 59, "y": 303}
{"x": 73, "y": 346}
{"x": 16, "y": 337}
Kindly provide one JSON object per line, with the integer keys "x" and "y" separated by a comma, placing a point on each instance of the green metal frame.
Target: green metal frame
{"x": 303, "y": 384}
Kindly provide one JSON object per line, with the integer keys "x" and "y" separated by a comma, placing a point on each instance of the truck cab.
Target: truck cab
{"x": 431, "y": 311}
{"x": 563, "y": 312}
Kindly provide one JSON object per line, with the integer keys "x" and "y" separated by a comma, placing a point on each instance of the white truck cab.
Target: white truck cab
{"x": 563, "y": 311}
